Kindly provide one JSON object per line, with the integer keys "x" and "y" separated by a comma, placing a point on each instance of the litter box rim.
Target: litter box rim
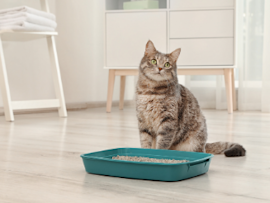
{"x": 86, "y": 156}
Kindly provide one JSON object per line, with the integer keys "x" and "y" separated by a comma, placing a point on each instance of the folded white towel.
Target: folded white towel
{"x": 10, "y": 11}
{"x": 27, "y": 17}
{"x": 25, "y": 26}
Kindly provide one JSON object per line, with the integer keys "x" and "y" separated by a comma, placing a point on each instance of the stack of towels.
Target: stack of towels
{"x": 26, "y": 19}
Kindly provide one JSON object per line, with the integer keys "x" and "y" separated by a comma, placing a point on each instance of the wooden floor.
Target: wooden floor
{"x": 40, "y": 160}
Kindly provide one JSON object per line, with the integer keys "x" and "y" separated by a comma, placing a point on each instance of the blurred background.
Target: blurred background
{"x": 80, "y": 47}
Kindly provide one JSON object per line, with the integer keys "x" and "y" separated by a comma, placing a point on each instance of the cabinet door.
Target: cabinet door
{"x": 128, "y": 33}
{"x": 204, "y": 51}
{"x": 195, "y": 24}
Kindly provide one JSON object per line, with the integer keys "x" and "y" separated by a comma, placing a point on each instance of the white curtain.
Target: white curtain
{"x": 252, "y": 74}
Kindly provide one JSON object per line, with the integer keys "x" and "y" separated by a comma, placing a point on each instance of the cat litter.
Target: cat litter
{"x": 147, "y": 159}
{"x": 135, "y": 164}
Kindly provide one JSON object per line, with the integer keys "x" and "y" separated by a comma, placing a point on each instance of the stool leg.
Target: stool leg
{"x": 228, "y": 84}
{"x": 122, "y": 92}
{"x": 62, "y": 111}
{"x": 4, "y": 86}
{"x": 233, "y": 91}
{"x": 110, "y": 90}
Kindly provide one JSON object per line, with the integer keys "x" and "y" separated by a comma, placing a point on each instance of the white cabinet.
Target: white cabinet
{"x": 127, "y": 34}
{"x": 203, "y": 29}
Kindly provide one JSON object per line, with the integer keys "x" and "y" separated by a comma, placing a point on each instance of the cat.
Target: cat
{"x": 169, "y": 116}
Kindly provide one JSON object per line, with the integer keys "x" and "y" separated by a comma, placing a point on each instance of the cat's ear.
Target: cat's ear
{"x": 175, "y": 54}
{"x": 149, "y": 48}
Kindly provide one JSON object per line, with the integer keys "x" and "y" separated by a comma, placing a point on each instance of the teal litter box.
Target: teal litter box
{"x": 102, "y": 163}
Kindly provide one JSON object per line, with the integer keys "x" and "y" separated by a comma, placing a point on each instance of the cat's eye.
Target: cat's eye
{"x": 167, "y": 64}
{"x": 154, "y": 61}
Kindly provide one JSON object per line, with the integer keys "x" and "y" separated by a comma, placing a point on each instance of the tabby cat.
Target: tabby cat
{"x": 169, "y": 115}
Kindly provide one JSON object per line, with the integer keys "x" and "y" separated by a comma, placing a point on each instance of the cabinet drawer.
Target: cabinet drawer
{"x": 212, "y": 51}
{"x": 188, "y": 24}
{"x": 189, "y": 4}
{"x": 128, "y": 33}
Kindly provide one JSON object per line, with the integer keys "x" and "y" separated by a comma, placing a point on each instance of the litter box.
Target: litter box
{"x": 101, "y": 163}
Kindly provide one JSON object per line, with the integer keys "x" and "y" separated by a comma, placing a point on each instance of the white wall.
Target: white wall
{"x": 80, "y": 51}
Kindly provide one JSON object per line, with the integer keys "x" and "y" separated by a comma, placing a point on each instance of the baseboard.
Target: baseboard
{"x": 72, "y": 107}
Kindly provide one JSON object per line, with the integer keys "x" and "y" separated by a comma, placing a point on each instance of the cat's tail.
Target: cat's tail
{"x": 228, "y": 148}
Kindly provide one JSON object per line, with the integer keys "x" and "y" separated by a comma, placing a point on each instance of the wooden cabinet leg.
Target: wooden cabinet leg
{"x": 5, "y": 86}
{"x": 110, "y": 90}
{"x": 122, "y": 92}
{"x": 228, "y": 85}
{"x": 233, "y": 91}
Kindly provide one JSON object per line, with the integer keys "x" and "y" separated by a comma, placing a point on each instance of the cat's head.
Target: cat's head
{"x": 158, "y": 66}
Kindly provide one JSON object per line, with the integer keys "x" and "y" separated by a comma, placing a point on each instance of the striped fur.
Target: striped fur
{"x": 169, "y": 116}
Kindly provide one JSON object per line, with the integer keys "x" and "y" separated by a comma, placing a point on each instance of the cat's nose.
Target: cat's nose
{"x": 159, "y": 69}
